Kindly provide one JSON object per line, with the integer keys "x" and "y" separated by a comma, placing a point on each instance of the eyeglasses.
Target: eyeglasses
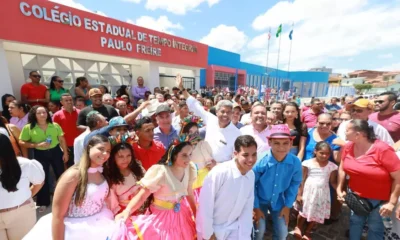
{"x": 36, "y": 76}
{"x": 357, "y": 110}
{"x": 349, "y": 103}
{"x": 182, "y": 99}
{"x": 379, "y": 101}
{"x": 324, "y": 123}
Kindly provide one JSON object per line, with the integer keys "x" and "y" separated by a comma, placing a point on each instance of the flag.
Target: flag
{"x": 290, "y": 35}
{"x": 269, "y": 34}
{"x": 278, "y": 32}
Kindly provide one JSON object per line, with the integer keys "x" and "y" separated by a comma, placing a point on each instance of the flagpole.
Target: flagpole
{"x": 290, "y": 51}
{"x": 277, "y": 64}
{"x": 266, "y": 70}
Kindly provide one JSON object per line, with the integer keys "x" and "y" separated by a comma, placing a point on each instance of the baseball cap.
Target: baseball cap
{"x": 280, "y": 131}
{"x": 364, "y": 103}
{"x": 193, "y": 92}
{"x": 94, "y": 92}
{"x": 151, "y": 109}
{"x": 117, "y": 122}
{"x": 235, "y": 105}
{"x": 163, "y": 108}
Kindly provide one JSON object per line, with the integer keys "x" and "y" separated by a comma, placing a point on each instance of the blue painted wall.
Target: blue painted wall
{"x": 202, "y": 77}
{"x": 223, "y": 58}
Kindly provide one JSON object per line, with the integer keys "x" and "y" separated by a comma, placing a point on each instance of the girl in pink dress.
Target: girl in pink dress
{"x": 122, "y": 172}
{"x": 314, "y": 199}
{"x": 170, "y": 181}
{"x": 79, "y": 208}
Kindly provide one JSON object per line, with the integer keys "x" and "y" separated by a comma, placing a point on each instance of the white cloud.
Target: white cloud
{"x": 162, "y": 24}
{"x": 383, "y": 56}
{"x": 73, "y": 4}
{"x": 179, "y": 7}
{"x": 391, "y": 67}
{"x": 132, "y": 1}
{"x": 226, "y": 37}
{"x": 350, "y": 59}
{"x": 325, "y": 31}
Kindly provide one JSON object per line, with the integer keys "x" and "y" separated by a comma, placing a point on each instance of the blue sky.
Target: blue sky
{"x": 345, "y": 35}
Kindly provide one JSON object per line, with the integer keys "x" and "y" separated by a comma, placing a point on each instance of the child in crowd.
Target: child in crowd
{"x": 122, "y": 172}
{"x": 314, "y": 200}
{"x": 170, "y": 181}
{"x": 79, "y": 208}
{"x": 227, "y": 197}
{"x": 278, "y": 176}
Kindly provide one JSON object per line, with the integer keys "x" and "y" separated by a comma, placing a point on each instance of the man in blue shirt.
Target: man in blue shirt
{"x": 277, "y": 179}
{"x": 165, "y": 132}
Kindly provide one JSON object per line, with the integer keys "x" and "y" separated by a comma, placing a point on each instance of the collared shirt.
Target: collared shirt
{"x": 149, "y": 157}
{"x": 390, "y": 122}
{"x": 37, "y": 135}
{"x": 260, "y": 137}
{"x": 226, "y": 202}
{"x": 20, "y": 123}
{"x": 277, "y": 183}
{"x": 79, "y": 146}
{"x": 331, "y": 107}
{"x": 246, "y": 119}
{"x": 166, "y": 139}
{"x": 380, "y": 132}
{"x": 67, "y": 122}
{"x": 221, "y": 140}
{"x": 138, "y": 93}
{"x": 309, "y": 118}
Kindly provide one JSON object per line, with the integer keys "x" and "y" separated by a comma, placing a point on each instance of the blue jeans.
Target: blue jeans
{"x": 280, "y": 229}
{"x": 375, "y": 224}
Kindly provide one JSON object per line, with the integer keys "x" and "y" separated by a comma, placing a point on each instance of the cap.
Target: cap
{"x": 193, "y": 92}
{"x": 235, "y": 105}
{"x": 94, "y": 92}
{"x": 280, "y": 131}
{"x": 163, "y": 108}
{"x": 117, "y": 122}
{"x": 364, "y": 103}
{"x": 151, "y": 109}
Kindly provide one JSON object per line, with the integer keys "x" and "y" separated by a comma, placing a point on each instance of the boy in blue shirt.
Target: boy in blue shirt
{"x": 278, "y": 176}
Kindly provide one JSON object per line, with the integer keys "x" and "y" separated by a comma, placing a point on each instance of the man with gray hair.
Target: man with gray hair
{"x": 220, "y": 131}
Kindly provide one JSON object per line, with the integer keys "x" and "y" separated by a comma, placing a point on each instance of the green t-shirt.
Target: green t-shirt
{"x": 56, "y": 95}
{"x": 37, "y": 135}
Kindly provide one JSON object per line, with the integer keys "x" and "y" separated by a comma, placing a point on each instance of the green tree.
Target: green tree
{"x": 361, "y": 87}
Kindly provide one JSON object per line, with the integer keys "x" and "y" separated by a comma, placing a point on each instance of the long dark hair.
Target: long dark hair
{"x": 5, "y": 112}
{"x": 297, "y": 122}
{"x": 52, "y": 86}
{"x": 363, "y": 126}
{"x": 11, "y": 171}
{"x": 32, "y": 116}
{"x": 121, "y": 91}
{"x": 172, "y": 152}
{"x": 111, "y": 170}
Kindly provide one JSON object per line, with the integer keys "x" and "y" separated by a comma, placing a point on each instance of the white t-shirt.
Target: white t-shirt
{"x": 4, "y": 132}
{"x": 78, "y": 145}
{"x": 31, "y": 172}
{"x": 380, "y": 132}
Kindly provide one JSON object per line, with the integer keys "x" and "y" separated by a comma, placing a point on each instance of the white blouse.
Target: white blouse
{"x": 31, "y": 172}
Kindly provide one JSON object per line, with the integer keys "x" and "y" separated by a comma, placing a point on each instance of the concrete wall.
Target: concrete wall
{"x": 6, "y": 86}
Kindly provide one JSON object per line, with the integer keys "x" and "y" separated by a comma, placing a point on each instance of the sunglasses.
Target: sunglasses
{"x": 182, "y": 99}
{"x": 349, "y": 103}
{"x": 337, "y": 119}
{"x": 60, "y": 81}
{"x": 379, "y": 101}
{"x": 324, "y": 123}
{"x": 36, "y": 76}
{"x": 357, "y": 110}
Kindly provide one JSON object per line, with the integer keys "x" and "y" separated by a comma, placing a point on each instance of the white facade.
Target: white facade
{"x": 18, "y": 59}
{"x": 348, "y": 82}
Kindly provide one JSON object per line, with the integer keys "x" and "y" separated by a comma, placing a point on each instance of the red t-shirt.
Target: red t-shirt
{"x": 370, "y": 173}
{"x": 67, "y": 122}
{"x": 150, "y": 156}
{"x": 391, "y": 122}
{"x": 34, "y": 92}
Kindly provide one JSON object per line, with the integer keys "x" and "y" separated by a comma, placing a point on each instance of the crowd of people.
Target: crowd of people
{"x": 183, "y": 164}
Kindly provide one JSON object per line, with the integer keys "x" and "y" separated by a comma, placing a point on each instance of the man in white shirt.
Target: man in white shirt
{"x": 220, "y": 131}
{"x": 183, "y": 113}
{"x": 258, "y": 128}
{"x": 361, "y": 109}
{"x": 94, "y": 121}
{"x": 227, "y": 196}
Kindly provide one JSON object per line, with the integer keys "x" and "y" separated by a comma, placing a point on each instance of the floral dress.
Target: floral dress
{"x": 316, "y": 195}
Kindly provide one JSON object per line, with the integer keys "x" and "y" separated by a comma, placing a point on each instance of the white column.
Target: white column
{"x": 6, "y": 84}
{"x": 196, "y": 74}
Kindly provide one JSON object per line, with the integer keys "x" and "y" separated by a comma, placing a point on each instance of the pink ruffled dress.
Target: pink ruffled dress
{"x": 167, "y": 218}
{"x": 121, "y": 194}
{"x": 91, "y": 220}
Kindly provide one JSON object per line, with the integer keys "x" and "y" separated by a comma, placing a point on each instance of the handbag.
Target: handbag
{"x": 359, "y": 205}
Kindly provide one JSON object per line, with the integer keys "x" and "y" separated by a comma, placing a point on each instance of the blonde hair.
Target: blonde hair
{"x": 83, "y": 166}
